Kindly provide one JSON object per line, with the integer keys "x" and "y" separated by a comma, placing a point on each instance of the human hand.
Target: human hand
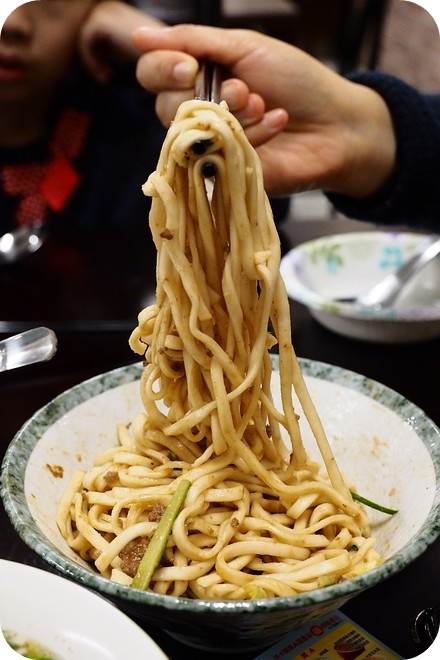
{"x": 105, "y": 40}
{"x": 311, "y": 127}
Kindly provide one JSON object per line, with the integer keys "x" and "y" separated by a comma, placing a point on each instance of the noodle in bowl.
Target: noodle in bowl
{"x": 385, "y": 441}
{"x": 270, "y": 533}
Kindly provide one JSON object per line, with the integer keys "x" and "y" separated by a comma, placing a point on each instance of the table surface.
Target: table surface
{"x": 90, "y": 288}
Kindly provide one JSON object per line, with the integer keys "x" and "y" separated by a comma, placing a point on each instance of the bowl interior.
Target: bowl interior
{"x": 386, "y": 447}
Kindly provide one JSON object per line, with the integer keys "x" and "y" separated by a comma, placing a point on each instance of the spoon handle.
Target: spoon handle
{"x": 35, "y": 345}
{"x": 386, "y": 291}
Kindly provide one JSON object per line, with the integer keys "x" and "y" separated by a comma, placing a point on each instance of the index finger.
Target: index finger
{"x": 224, "y": 46}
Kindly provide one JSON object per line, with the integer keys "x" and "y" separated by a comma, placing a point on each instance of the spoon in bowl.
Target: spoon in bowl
{"x": 35, "y": 345}
{"x": 21, "y": 241}
{"x": 384, "y": 293}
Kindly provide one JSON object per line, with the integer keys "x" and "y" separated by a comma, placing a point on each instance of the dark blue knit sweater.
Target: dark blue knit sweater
{"x": 412, "y": 195}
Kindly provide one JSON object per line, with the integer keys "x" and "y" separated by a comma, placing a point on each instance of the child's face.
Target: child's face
{"x": 37, "y": 44}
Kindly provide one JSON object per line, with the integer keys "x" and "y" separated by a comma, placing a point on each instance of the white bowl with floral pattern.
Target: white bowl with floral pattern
{"x": 318, "y": 272}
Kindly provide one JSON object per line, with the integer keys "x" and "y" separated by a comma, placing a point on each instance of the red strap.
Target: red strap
{"x": 31, "y": 208}
{"x": 59, "y": 183}
{"x": 70, "y": 133}
{"x": 21, "y": 179}
{"x": 50, "y": 184}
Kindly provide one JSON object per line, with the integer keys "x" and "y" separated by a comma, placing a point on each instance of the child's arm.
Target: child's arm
{"x": 105, "y": 41}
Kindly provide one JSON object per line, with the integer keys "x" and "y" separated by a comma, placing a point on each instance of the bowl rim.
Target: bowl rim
{"x": 12, "y": 477}
{"x": 299, "y": 291}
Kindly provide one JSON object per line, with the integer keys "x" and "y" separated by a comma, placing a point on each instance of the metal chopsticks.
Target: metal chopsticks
{"x": 208, "y": 82}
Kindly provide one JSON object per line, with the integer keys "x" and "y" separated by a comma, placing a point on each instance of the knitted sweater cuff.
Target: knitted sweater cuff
{"x": 413, "y": 190}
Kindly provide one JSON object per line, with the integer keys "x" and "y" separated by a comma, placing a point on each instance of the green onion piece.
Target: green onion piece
{"x": 373, "y": 505}
{"x": 156, "y": 547}
{"x": 253, "y": 591}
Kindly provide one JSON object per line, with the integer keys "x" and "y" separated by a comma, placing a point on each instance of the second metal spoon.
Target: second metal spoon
{"x": 21, "y": 241}
{"x": 385, "y": 292}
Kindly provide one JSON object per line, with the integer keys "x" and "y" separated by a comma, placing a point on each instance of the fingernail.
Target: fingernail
{"x": 276, "y": 118}
{"x": 183, "y": 72}
{"x": 148, "y": 28}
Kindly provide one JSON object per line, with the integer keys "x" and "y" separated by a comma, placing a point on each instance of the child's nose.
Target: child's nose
{"x": 18, "y": 24}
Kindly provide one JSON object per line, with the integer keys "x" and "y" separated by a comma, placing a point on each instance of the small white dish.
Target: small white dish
{"x": 346, "y": 265}
{"x": 65, "y": 619}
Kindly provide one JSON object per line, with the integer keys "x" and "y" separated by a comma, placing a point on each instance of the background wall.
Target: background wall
{"x": 410, "y": 46}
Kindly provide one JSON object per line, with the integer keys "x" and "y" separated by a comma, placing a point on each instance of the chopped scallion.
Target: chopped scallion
{"x": 373, "y": 505}
{"x": 158, "y": 543}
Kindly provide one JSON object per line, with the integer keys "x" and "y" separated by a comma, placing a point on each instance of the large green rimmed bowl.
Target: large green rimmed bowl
{"x": 384, "y": 445}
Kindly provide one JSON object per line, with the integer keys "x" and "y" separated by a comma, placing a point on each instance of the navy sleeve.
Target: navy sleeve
{"x": 412, "y": 195}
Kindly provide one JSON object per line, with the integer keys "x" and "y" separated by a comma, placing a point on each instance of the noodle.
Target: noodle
{"x": 260, "y": 519}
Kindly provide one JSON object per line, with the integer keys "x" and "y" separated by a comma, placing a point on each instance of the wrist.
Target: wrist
{"x": 369, "y": 150}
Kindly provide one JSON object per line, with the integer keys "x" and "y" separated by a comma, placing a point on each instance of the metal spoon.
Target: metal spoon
{"x": 21, "y": 241}
{"x": 426, "y": 626}
{"x": 35, "y": 345}
{"x": 385, "y": 293}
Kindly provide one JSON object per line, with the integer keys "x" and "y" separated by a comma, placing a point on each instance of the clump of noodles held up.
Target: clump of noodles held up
{"x": 260, "y": 518}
